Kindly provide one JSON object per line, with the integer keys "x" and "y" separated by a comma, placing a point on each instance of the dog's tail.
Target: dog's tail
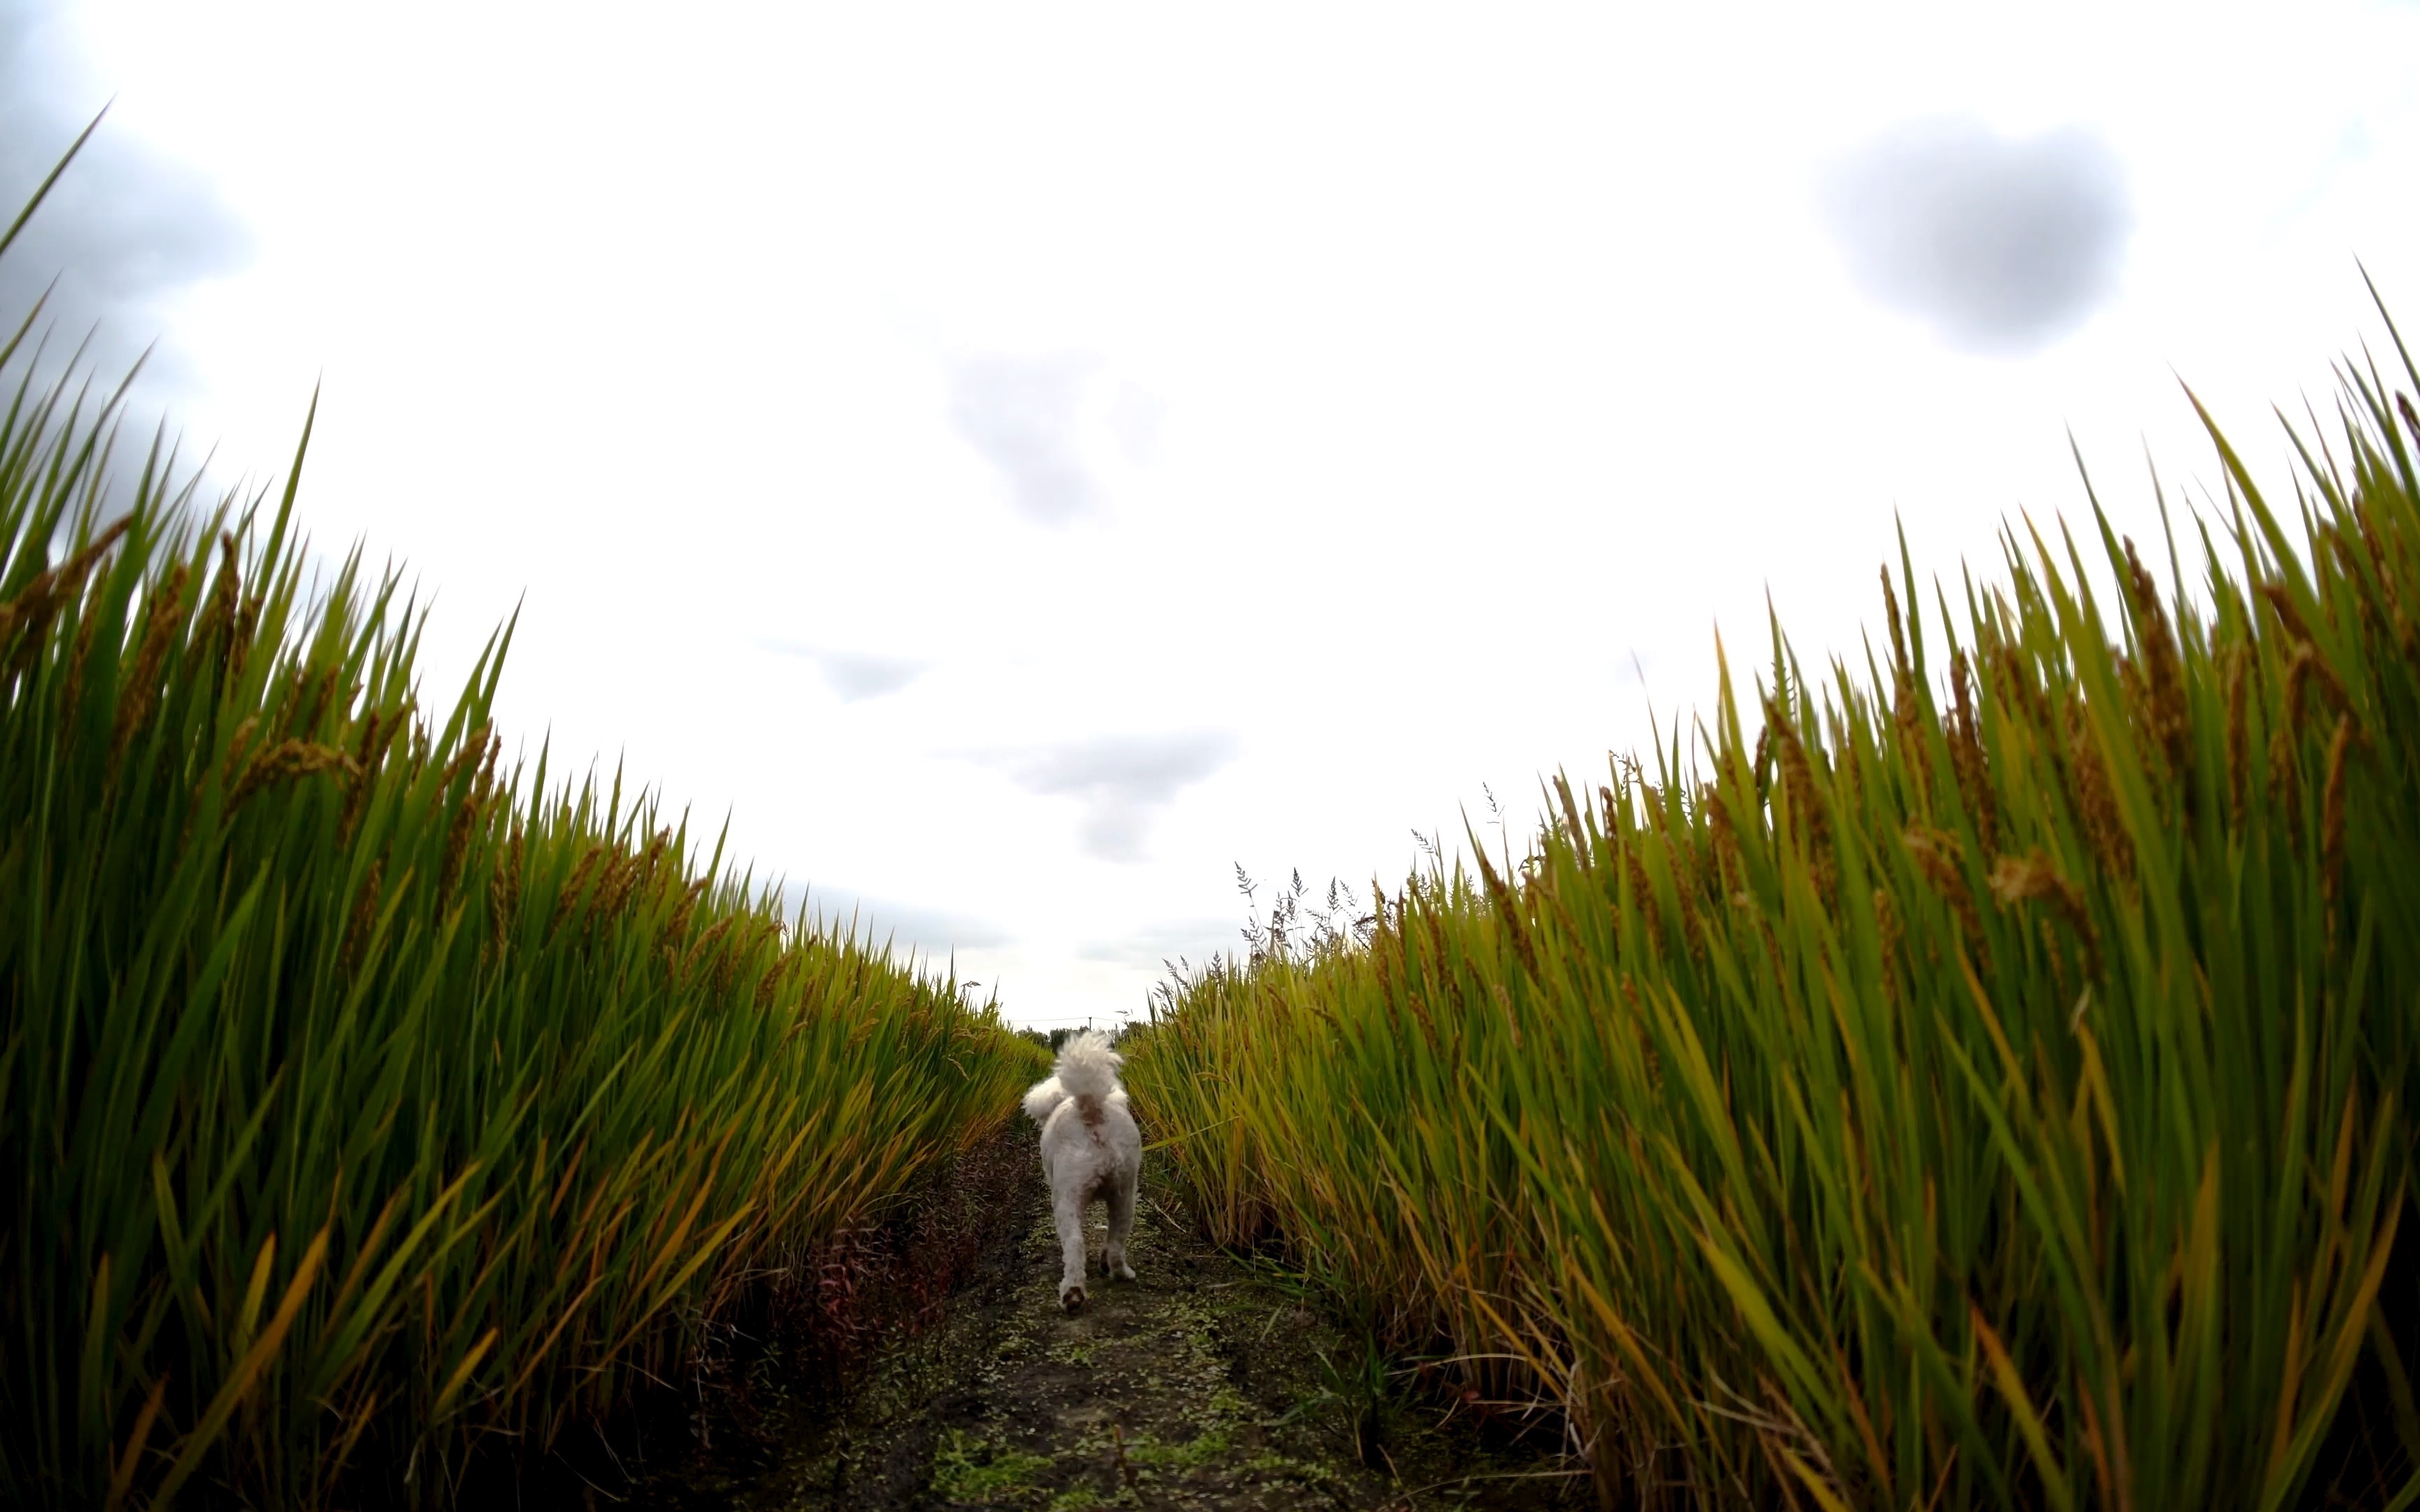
{"x": 1043, "y": 1098}
{"x": 1088, "y": 1072}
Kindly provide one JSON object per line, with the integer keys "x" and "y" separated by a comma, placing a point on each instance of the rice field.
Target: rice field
{"x": 371, "y": 1102}
{"x": 1975, "y": 1078}
{"x": 1980, "y": 1077}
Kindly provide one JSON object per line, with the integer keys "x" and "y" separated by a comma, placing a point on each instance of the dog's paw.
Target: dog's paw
{"x": 1125, "y": 1271}
{"x": 1071, "y": 1296}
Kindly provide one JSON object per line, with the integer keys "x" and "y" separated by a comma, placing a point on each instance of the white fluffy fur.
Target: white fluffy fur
{"x": 1091, "y": 1148}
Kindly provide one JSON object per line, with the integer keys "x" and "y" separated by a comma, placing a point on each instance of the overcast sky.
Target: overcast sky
{"x": 1019, "y": 462}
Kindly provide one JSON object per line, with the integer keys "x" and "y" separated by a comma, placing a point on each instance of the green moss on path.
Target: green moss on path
{"x": 1202, "y": 1384}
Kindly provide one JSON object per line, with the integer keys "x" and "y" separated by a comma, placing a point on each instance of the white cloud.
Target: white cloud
{"x": 1022, "y": 415}
{"x": 932, "y": 935}
{"x": 1155, "y": 946}
{"x": 1120, "y": 780}
{"x": 855, "y": 675}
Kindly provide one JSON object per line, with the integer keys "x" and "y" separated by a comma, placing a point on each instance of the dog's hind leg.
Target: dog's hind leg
{"x": 1067, "y": 1211}
{"x": 1121, "y": 1211}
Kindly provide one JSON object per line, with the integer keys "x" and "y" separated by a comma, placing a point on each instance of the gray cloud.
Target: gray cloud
{"x": 911, "y": 928}
{"x": 857, "y": 674}
{"x": 123, "y": 227}
{"x": 1120, "y": 780}
{"x": 1022, "y": 415}
{"x": 2000, "y": 245}
{"x": 1135, "y": 418}
{"x": 1194, "y": 941}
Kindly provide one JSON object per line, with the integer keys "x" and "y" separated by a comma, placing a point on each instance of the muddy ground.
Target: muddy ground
{"x": 1208, "y": 1383}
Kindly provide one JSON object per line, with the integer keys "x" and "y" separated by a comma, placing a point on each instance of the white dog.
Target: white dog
{"x": 1090, "y": 1149}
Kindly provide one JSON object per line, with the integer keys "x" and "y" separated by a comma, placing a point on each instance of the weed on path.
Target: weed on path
{"x": 1205, "y": 1383}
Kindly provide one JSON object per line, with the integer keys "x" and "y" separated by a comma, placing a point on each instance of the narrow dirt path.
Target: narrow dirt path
{"x": 1205, "y": 1383}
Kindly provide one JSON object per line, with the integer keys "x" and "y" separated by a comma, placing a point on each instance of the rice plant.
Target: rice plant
{"x": 1979, "y": 1078}
{"x": 365, "y": 1100}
